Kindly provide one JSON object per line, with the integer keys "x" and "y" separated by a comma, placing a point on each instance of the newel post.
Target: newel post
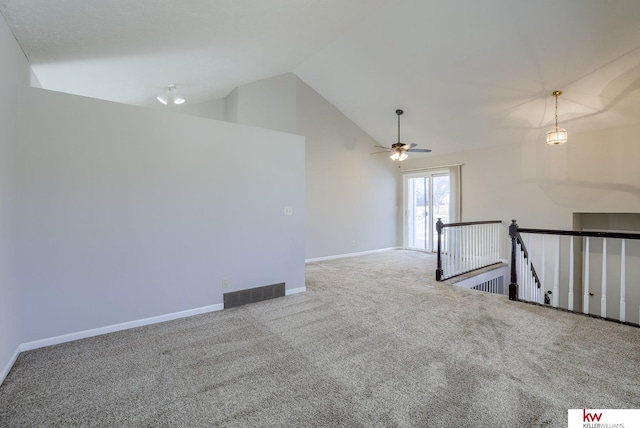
{"x": 439, "y": 272}
{"x": 513, "y": 286}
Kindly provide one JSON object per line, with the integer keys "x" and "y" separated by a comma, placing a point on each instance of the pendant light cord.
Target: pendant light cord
{"x": 556, "y": 112}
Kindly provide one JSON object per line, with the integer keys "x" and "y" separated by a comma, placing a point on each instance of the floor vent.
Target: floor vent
{"x": 252, "y": 295}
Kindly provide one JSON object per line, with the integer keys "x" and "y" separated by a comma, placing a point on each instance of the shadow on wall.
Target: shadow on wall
{"x": 574, "y": 107}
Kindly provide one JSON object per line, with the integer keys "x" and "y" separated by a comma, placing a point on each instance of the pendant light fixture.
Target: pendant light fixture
{"x": 170, "y": 95}
{"x": 556, "y": 136}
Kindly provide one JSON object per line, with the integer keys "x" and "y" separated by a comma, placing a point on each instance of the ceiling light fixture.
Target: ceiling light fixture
{"x": 556, "y": 136}
{"x": 399, "y": 155}
{"x": 170, "y": 95}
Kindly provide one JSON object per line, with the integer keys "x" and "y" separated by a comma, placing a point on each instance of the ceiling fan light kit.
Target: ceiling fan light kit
{"x": 399, "y": 150}
{"x": 399, "y": 155}
{"x": 170, "y": 94}
{"x": 557, "y": 136}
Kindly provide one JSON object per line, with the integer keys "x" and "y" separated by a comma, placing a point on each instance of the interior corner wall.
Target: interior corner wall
{"x": 269, "y": 103}
{"x": 125, "y": 213}
{"x": 542, "y": 186}
{"x": 15, "y": 72}
{"x": 351, "y": 193}
{"x": 231, "y": 106}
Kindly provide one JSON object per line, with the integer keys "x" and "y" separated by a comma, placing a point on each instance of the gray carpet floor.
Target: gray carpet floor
{"x": 374, "y": 341}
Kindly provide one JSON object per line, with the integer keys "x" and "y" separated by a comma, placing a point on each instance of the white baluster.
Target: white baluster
{"x": 484, "y": 248}
{"x": 453, "y": 260}
{"x": 472, "y": 247}
{"x": 470, "y": 243}
{"x": 482, "y": 253}
{"x": 585, "y": 285}
{"x": 458, "y": 250}
{"x": 476, "y": 243}
{"x": 623, "y": 280}
{"x": 445, "y": 251}
{"x": 498, "y": 241}
{"x": 482, "y": 256}
{"x": 542, "y": 281}
{"x": 603, "y": 295}
{"x": 570, "y": 273}
{"x": 556, "y": 275}
{"x": 450, "y": 249}
{"x": 463, "y": 245}
{"x": 488, "y": 232}
{"x": 530, "y": 281}
{"x": 476, "y": 256}
{"x": 532, "y": 285}
{"x": 494, "y": 242}
{"x": 455, "y": 248}
{"x": 521, "y": 278}
{"x": 525, "y": 277}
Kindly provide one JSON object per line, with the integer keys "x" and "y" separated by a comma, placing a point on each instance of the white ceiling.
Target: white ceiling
{"x": 468, "y": 73}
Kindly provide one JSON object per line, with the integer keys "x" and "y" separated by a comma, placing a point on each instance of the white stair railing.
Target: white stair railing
{"x": 597, "y": 259}
{"x": 465, "y": 247}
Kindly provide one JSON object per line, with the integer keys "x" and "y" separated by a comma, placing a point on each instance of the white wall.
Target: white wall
{"x": 268, "y": 103}
{"x": 14, "y": 73}
{"x": 125, "y": 212}
{"x": 542, "y": 186}
{"x": 212, "y": 109}
{"x": 351, "y": 193}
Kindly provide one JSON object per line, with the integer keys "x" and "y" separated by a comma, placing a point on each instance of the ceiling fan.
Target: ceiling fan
{"x": 399, "y": 150}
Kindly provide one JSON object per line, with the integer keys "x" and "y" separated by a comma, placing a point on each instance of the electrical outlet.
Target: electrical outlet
{"x": 353, "y": 243}
{"x": 225, "y": 283}
{"x": 288, "y": 210}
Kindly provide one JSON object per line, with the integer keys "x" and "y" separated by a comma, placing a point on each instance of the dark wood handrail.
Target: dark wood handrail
{"x": 470, "y": 223}
{"x": 515, "y": 231}
{"x": 526, "y": 256}
{"x": 619, "y": 235}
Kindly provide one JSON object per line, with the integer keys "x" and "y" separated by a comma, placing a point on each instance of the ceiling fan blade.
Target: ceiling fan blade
{"x": 375, "y": 153}
{"x": 419, "y": 150}
{"x": 381, "y": 147}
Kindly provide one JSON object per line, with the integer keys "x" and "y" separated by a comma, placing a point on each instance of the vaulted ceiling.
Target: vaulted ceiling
{"x": 468, "y": 73}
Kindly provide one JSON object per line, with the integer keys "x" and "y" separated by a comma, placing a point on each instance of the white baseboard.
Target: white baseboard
{"x": 295, "y": 291}
{"x": 10, "y": 364}
{"x": 28, "y": 346}
{"x": 342, "y": 256}
{"x": 116, "y": 327}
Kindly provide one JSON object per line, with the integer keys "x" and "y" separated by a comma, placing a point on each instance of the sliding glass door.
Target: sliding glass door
{"x": 426, "y": 198}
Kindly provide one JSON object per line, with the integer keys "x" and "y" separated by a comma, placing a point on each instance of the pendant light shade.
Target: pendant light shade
{"x": 557, "y": 136}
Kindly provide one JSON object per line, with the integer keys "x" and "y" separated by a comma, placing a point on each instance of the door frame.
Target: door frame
{"x": 405, "y": 212}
